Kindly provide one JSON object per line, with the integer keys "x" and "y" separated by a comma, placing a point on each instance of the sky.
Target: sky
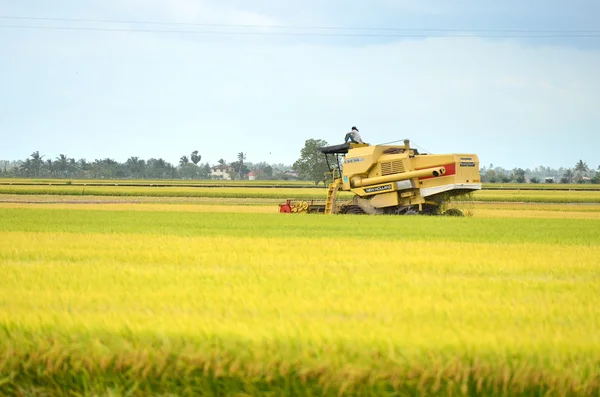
{"x": 119, "y": 89}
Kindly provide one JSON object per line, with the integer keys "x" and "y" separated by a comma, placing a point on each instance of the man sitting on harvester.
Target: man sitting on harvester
{"x": 353, "y": 136}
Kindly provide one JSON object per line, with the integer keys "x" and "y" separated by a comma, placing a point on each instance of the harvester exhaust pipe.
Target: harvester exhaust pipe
{"x": 358, "y": 181}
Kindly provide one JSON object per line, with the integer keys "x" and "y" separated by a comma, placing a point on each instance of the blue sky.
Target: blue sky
{"x": 514, "y": 101}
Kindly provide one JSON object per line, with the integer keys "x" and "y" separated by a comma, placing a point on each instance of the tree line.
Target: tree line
{"x": 311, "y": 166}
{"x": 579, "y": 173}
{"x": 190, "y": 166}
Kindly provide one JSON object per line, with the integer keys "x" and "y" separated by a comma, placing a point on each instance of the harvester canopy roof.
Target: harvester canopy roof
{"x": 344, "y": 147}
{"x": 335, "y": 149}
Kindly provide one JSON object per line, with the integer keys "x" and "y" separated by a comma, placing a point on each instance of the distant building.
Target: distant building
{"x": 291, "y": 175}
{"x": 251, "y": 176}
{"x": 221, "y": 171}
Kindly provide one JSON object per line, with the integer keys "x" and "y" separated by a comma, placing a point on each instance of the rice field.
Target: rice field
{"x": 226, "y": 297}
{"x": 538, "y": 196}
{"x": 544, "y": 186}
{"x": 148, "y": 182}
{"x": 170, "y": 191}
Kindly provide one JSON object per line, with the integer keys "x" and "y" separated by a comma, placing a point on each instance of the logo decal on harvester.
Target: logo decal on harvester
{"x": 467, "y": 164}
{"x": 354, "y": 160}
{"x": 378, "y": 189}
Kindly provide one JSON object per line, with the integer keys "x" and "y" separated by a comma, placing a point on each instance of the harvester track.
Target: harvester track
{"x": 352, "y": 209}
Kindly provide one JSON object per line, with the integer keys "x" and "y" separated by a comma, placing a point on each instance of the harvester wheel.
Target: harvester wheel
{"x": 453, "y": 212}
{"x": 352, "y": 209}
{"x": 431, "y": 209}
{"x": 407, "y": 211}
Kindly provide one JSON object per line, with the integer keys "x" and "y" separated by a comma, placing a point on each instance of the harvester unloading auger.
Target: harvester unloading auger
{"x": 393, "y": 180}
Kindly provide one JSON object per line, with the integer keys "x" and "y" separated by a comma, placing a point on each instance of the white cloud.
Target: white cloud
{"x": 188, "y": 11}
{"x": 418, "y": 6}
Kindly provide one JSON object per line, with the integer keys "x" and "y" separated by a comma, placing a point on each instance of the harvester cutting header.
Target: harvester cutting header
{"x": 393, "y": 179}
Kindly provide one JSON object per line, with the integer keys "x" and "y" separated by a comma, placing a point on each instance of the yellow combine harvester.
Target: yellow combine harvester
{"x": 393, "y": 180}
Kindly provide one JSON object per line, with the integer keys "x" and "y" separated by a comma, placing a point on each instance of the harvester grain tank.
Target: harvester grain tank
{"x": 393, "y": 179}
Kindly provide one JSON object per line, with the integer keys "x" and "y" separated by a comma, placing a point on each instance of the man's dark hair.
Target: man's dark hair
{"x": 354, "y": 128}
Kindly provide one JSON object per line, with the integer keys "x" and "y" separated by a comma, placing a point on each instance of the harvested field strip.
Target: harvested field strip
{"x": 148, "y": 182}
{"x": 282, "y": 183}
{"x": 283, "y": 193}
{"x": 478, "y": 210}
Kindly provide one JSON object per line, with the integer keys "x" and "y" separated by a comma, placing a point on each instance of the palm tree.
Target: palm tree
{"x": 581, "y": 169}
{"x": 35, "y": 156}
{"x": 184, "y": 160}
{"x": 50, "y": 167}
{"x": 195, "y": 157}
{"x": 72, "y": 165}
{"x": 241, "y": 157}
{"x": 63, "y": 163}
{"x": 36, "y": 162}
{"x": 581, "y": 166}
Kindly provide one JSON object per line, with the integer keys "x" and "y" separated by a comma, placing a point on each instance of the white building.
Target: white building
{"x": 291, "y": 175}
{"x": 221, "y": 171}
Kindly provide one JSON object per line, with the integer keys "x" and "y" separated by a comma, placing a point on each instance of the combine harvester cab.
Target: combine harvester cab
{"x": 396, "y": 180}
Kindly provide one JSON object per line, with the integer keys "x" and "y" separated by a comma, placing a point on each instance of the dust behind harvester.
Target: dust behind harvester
{"x": 392, "y": 180}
